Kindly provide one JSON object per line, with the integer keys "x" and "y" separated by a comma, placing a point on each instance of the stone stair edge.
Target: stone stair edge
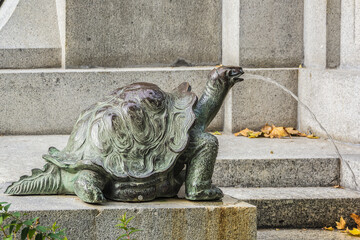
{"x": 134, "y": 69}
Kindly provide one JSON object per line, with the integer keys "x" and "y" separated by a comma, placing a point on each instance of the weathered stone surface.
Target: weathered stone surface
{"x": 23, "y": 153}
{"x": 332, "y": 95}
{"x": 142, "y": 33}
{"x": 350, "y": 34}
{"x": 30, "y": 38}
{"x": 296, "y": 162}
{"x": 315, "y": 33}
{"x": 333, "y": 22}
{"x": 301, "y": 234}
{"x": 255, "y": 102}
{"x": 50, "y": 101}
{"x": 298, "y": 207}
{"x": 30, "y": 58}
{"x": 271, "y": 33}
{"x": 163, "y": 219}
{"x": 350, "y": 177}
{"x": 296, "y": 172}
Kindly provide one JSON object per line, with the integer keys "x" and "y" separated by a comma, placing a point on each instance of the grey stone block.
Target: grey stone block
{"x": 333, "y": 22}
{"x": 255, "y": 102}
{"x": 332, "y": 95}
{"x": 271, "y": 33}
{"x": 30, "y": 58}
{"x": 30, "y": 38}
{"x": 298, "y": 207}
{"x": 262, "y": 162}
{"x": 315, "y": 172}
{"x": 163, "y": 219}
{"x": 142, "y": 33}
{"x": 350, "y": 34}
{"x": 50, "y": 101}
{"x": 350, "y": 172}
{"x": 315, "y": 33}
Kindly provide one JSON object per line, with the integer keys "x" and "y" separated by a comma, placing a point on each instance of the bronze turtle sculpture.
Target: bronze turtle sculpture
{"x": 134, "y": 146}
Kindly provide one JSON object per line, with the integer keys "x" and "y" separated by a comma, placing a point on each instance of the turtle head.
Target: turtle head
{"x": 227, "y": 74}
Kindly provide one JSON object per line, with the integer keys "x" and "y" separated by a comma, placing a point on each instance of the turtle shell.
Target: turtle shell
{"x": 137, "y": 131}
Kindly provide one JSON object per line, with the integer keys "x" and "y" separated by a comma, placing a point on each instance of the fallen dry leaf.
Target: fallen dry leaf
{"x": 338, "y": 186}
{"x": 312, "y": 136}
{"x": 342, "y": 224}
{"x": 356, "y": 219}
{"x": 243, "y": 132}
{"x": 328, "y": 228}
{"x": 252, "y": 134}
{"x": 266, "y": 129}
{"x": 346, "y": 230}
{"x": 278, "y": 132}
{"x": 354, "y": 232}
{"x": 216, "y": 133}
{"x": 292, "y": 131}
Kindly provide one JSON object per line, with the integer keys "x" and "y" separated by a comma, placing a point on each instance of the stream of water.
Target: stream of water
{"x": 269, "y": 80}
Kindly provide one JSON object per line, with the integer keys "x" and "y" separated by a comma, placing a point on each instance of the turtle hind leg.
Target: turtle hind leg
{"x": 89, "y": 185}
{"x": 202, "y": 154}
{"x": 47, "y": 181}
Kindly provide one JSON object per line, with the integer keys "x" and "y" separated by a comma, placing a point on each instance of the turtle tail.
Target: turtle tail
{"x": 47, "y": 181}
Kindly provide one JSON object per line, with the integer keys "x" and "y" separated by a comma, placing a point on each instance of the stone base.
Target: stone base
{"x": 162, "y": 219}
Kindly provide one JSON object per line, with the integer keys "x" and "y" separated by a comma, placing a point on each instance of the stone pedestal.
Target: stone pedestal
{"x": 162, "y": 220}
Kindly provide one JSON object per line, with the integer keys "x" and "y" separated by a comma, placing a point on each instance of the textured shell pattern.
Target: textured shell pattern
{"x": 135, "y": 132}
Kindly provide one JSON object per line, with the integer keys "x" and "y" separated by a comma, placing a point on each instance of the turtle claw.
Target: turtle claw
{"x": 88, "y": 187}
{"x": 90, "y": 195}
{"x": 212, "y": 193}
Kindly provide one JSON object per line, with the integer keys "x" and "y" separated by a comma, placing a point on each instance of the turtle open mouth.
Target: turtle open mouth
{"x": 235, "y": 74}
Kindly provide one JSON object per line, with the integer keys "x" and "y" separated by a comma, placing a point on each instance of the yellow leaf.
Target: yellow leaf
{"x": 243, "y": 132}
{"x": 216, "y": 133}
{"x": 292, "y": 131}
{"x": 302, "y": 135}
{"x": 341, "y": 225}
{"x": 254, "y": 134}
{"x": 356, "y": 219}
{"x": 354, "y": 232}
{"x": 312, "y": 136}
{"x": 328, "y": 228}
{"x": 338, "y": 186}
{"x": 278, "y": 132}
{"x": 266, "y": 129}
{"x": 346, "y": 230}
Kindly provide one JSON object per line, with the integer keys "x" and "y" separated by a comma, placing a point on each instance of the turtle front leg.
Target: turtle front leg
{"x": 201, "y": 154}
{"x": 89, "y": 185}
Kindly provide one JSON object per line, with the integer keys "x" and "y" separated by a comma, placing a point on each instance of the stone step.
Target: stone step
{"x": 309, "y": 207}
{"x": 242, "y": 162}
{"x": 162, "y": 219}
{"x": 262, "y": 162}
{"x": 48, "y": 101}
{"x": 301, "y": 234}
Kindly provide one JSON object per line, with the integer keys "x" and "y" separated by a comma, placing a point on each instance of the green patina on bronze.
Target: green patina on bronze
{"x": 134, "y": 146}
